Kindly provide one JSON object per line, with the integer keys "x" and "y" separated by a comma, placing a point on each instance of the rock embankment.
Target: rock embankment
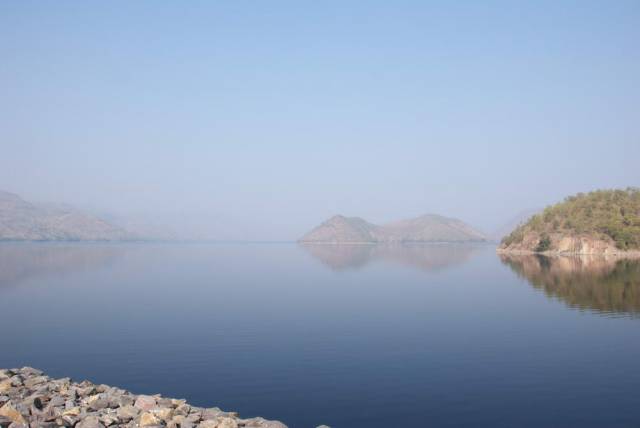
{"x": 29, "y": 399}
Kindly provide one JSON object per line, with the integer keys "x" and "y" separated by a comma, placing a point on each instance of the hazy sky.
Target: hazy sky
{"x": 257, "y": 120}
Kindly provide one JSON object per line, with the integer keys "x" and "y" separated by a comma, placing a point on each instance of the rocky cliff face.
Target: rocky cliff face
{"x": 23, "y": 221}
{"x": 564, "y": 244}
{"x": 427, "y": 228}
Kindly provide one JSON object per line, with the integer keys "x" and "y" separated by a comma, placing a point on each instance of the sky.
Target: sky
{"x": 258, "y": 120}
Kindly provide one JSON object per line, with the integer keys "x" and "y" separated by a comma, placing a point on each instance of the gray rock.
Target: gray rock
{"x": 126, "y": 413}
{"x": 102, "y": 388}
{"x": 33, "y": 381}
{"x": 30, "y": 371}
{"x": 211, "y": 413}
{"x": 194, "y": 417}
{"x": 262, "y": 423}
{"x": 46, "y": 424}
{"x": 99, "y": 404}
{"x": 125, "y": 400}
{"x": 109, "y": 419}
{"x": 165, "y": 402}
{"x": 90, "y": 422}
{"x": 56, "y": 401}
{"x": 86, "y": 391}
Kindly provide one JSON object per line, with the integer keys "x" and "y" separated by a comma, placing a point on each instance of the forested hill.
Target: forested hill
{"x": 598, "y": 221}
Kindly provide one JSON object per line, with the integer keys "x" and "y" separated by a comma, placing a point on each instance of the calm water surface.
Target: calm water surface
{"x": 360, "y": 336}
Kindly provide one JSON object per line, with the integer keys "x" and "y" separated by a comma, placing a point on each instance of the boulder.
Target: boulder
{"x": 128, "y": 412}
{"x": 145, "y": 402}
{"x": 148, "y": 419}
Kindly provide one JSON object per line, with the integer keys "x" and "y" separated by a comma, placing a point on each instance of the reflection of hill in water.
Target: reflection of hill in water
{"x": 19, "y": 262}
{"x": 428, "y": 257}
{"x": 584, "y": 282}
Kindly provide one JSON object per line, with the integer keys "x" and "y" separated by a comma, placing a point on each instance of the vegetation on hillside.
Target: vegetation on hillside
{"x": 603, "y": 213}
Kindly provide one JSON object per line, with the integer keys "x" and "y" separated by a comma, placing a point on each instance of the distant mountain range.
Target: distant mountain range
{"x": 517, "y": 220}
{"x": 24, "y": 221}
{"x": 426, "y": 228}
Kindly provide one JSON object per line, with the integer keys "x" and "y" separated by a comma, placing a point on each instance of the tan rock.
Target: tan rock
{"x": 10, "y": 412}
{"x": 164, "y": 413}
{"x": 90, "y": 399}
{"x": 145, "y": 402}
{"x": 225, "y": 422}
{"x": 74, "y": 411}
{"x": 148, "y": 419}
{"x": 5, "y": 385}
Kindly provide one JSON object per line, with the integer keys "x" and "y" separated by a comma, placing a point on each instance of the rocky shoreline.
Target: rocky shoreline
{"x": 632, "y": 254}
{"x": 30, "y": 399}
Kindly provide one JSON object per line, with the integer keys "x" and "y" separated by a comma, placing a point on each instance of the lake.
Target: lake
{"x": 348, "y": 336}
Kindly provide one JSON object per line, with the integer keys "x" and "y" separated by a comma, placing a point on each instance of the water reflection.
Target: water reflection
{"x": 19, "y": 262}
{"x": 592, "y": 283}
{"x": 428, "y": 257}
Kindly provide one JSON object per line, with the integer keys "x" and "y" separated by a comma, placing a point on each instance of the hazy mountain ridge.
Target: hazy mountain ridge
{"x": 514, "y": 222}
{"x": 24, "y": 221}
{"x": 426, "y": 228}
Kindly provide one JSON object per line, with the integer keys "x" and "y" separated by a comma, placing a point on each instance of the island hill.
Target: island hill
{"x": 25, "y": 221}
{"x": 427, "y": 228}
{"x": 601, "y": 222}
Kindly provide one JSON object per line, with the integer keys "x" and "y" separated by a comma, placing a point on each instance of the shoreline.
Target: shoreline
{"x": 613, "y": 255}
{"x": 30, "y": 398}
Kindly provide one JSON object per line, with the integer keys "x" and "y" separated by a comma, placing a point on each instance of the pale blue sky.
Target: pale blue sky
{"x": 257, "y": 120}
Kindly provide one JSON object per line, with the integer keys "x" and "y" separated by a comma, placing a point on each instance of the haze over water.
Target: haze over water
{"x": 232, "y": 120}
{"x": 349, "y": 336}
